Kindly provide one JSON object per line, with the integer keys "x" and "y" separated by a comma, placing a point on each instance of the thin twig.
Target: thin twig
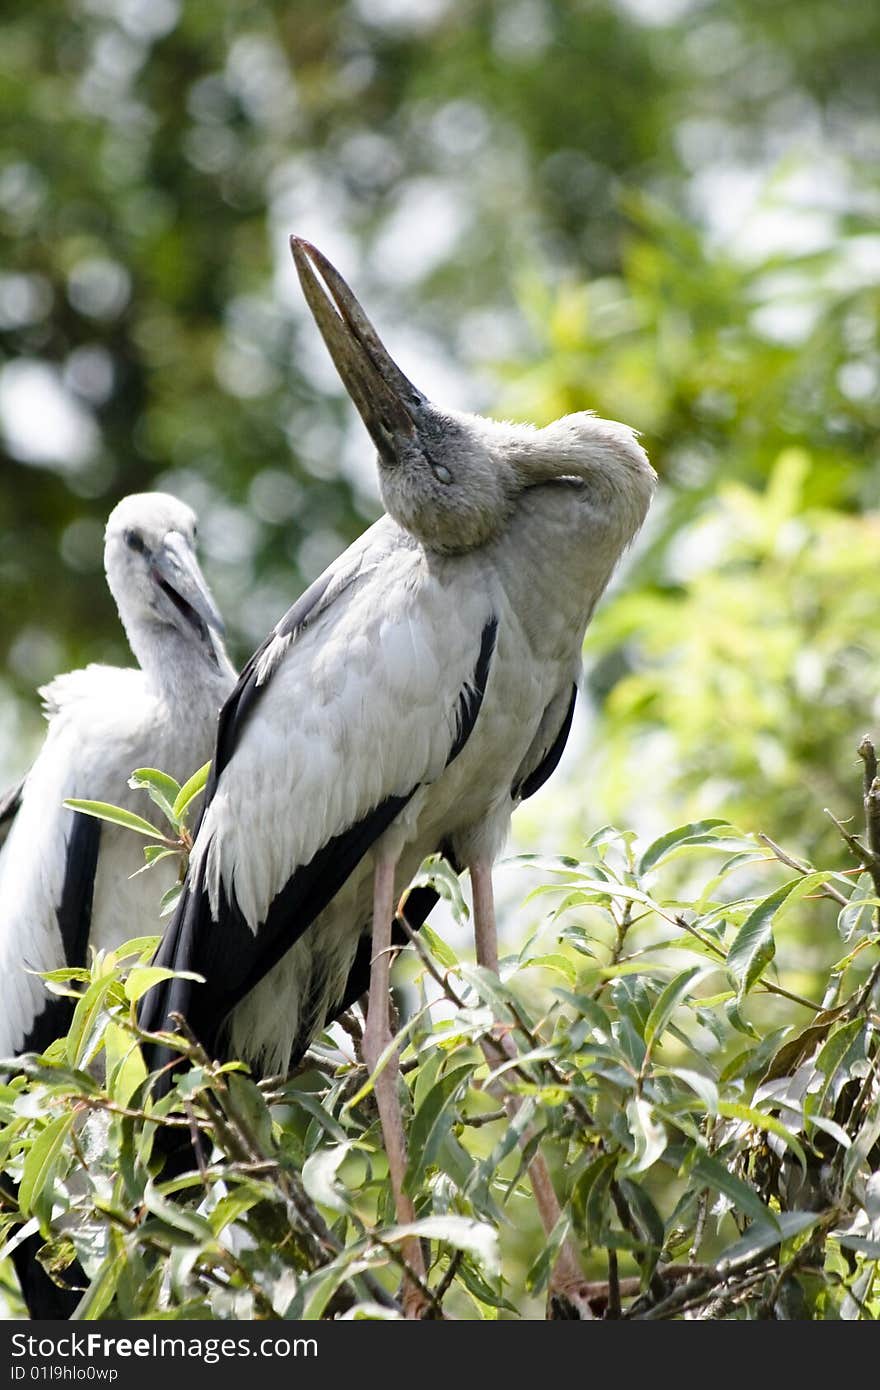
{"x": 612, "y": 1310}
{"x": 452, "y": 1269}
{"x": 827, "y": 888}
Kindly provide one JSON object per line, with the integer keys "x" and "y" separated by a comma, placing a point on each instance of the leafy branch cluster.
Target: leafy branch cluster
{"x": 713, "y": 1133}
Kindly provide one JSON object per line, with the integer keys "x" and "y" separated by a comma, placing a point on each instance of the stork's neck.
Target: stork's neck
{"x": 180, "y": 669}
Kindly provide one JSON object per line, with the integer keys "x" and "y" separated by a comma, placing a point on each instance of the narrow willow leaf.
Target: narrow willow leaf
{"x": 89, "y": 1018}
{"x": 431, "y": 1123}
{"x": 753, "y": 947}
{"x": 862, "y": 1145}
{"x": 438, "y": 948}
{"x": 144, "y": 977}
{"x": 762, "y": 1236}
{"x": 668, "y": 1001}
{"x": 169, "y": 900}
{"x": 834, "y": 1053}
{"x": 39, "y": 1165}
{"x": 102, "y": 810}
{"x": 189, "y": 791}
{"x": 647, "y": 1217}
{"x": 760, "y": 1120}
{"x": 858, "y": 913}
{"x": 153, "y": 854}
{"x": 559, "y": 964}
{"x": 589, "y": 1198}
{"x": 588, "y": 1008}
{"x": 701, "y": 832}
{"x": 703, "y": 1086}
{"x": 233, "y": 1206}
{"x": 180, "y": 1219}
{"x": 714, "y": 1174}
{"x": 99, "y": 1295}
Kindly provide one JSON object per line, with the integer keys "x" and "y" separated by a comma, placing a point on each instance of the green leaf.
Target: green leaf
{"x": 144, "y": 977}
{"x": 699, "y": 832}
{"x": 559, "y": 964}
{"x": 762, "y": 1236}
{"x": 760, "y": 1120}
{"x": 154, "y": 854}
{"x": 590, "y": 1199}
{"x": 588, "y": 1008}
{"x": 647, "y": 1217}
{"x": 100, "y": 1293}
{"x": 189, "y": 791}
{"x": 668, "y": 1001}
{"x": 180, "y": 1220}
{"x": 163, "y": 790}
{"x": 233, "y": 1206}
{"x": 89, "y": 1019}
{"x": 858, "y": 913}
{"x": 753, "y": 947}
{"x": 102, "y": 810}
{"x": 834, "y": 1053}
{"x": 247, "y": 1103}
{"x": 431, "y": 1123}
{"x": 744, "y": 1198}
{"x": 125, "y": 1065}
{"x": 40, "y": 1163}
{"x": 438, "y": 948}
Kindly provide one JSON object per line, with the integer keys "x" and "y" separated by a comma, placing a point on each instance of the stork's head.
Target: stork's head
{"x": 154, "y": 576}
{"x": 452, "y": 479}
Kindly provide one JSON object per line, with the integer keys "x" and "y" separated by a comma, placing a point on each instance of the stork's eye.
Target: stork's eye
{"x": 134, "y": 541}
{"x": 441, "y": 472}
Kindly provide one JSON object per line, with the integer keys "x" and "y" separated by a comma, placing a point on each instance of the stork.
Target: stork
{"x": 65, "y": 878}
{"x": 405, "y": 703}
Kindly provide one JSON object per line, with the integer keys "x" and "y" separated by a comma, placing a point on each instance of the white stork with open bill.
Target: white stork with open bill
{"x": 420, "y": 688}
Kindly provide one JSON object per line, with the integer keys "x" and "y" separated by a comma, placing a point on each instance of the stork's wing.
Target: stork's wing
{"x": 547, "y": 747}
{"x": 47, "y": 876}
{"x": 417, "y": 905}
{"x": 365, "y": 691}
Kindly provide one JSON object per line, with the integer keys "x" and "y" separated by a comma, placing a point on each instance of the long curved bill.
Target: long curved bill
{"x": 179, "y": 575}
{"x": 394, "y": 411}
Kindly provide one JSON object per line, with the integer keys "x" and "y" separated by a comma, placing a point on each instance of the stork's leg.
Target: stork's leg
{"x": 377, "y": 1036}
{"x": 568, "y": 1281}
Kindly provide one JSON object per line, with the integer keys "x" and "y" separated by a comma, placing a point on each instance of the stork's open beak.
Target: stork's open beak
{"x": 394, "y": 411}
{"x": 177, "y": 573}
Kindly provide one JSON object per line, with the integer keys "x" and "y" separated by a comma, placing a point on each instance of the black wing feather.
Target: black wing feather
{"x": 9, "y": 804}
{"x": 74, "y": 913}
{"x": 550, "y": 761}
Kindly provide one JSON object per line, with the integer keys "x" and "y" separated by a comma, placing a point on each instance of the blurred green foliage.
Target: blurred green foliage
{"x": 546, "y": 205}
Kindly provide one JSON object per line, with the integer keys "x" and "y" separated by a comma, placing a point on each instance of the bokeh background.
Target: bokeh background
{"x": 663, "y": 210}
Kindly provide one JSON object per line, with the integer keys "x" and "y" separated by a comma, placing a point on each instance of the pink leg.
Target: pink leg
{"x": 568, "y": 1280}
{"x": 377, "y": 1036}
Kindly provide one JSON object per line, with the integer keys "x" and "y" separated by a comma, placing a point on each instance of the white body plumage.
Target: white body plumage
{"x": 103, "y": 723}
